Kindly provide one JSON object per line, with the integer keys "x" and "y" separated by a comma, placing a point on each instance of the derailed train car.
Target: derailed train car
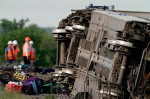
{"x": 108, "y": 51}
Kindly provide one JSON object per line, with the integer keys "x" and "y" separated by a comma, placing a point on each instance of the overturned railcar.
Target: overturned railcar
{"x": 108, "y": 51}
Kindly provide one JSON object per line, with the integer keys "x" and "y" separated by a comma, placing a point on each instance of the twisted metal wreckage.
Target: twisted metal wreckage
{"x": 108, "y": 53}
{"x": 101, "y": 55}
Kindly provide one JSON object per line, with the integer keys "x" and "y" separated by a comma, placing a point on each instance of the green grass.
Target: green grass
{"x": 7, "y": 95}
{"x": 50, "y": 97}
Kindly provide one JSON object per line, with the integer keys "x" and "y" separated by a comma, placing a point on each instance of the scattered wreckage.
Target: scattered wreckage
{"x": 108, "y": 53}
{"x": 33, "y": 80}
{"x": 101, "y": 54}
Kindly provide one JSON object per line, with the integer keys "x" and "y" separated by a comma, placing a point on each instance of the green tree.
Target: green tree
{"x": 43, "y": 42}
{"x": 13, "y": 25}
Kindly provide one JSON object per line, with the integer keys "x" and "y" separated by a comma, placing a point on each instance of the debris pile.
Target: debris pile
{"x": 33, "y": 80}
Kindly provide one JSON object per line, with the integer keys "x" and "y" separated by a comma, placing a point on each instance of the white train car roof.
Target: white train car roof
{"x": 121, "y": 16}
{"x": 113, "y": 20}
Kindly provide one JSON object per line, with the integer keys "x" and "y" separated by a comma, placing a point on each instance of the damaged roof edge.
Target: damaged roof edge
{"x": 121, "y": 16}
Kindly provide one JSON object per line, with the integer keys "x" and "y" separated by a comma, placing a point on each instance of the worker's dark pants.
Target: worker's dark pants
{"x": 25, "y": 60}
{"x": 9, "y": 61}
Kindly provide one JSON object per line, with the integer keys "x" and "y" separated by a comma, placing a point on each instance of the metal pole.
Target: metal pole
{"x": 62, "y": 52}
{"x": 122, "y": 69}
{"x": 57, "y": 57}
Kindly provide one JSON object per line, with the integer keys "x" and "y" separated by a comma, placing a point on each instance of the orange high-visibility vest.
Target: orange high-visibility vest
{"x": 9, "y": 54}
{"x": 15, "y": 52}
{"x": 32, "y": 53}
{"x": 23, "y": 48}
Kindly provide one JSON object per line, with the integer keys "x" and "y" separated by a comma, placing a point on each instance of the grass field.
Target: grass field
{"x": 7, "y": 95}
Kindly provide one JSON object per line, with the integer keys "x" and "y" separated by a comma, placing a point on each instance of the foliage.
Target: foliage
{"x": 13, "y": 25}
{"x": 43, "y": 42}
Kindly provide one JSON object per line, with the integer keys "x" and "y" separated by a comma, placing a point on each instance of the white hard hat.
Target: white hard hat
{"x": 31, "y": 42}
{"x": 10, "y": 42}
{"x": 15, "y": 42}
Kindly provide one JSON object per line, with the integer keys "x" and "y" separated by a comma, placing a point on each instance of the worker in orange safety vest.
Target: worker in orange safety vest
{"x": 16, "y": 49}
{"x": 26, "y": 50}
{"x": 9, "y": 53}
{"x": 32, "y": 53}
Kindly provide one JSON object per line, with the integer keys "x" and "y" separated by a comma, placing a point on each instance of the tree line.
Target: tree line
{"x": 44, "y": 42}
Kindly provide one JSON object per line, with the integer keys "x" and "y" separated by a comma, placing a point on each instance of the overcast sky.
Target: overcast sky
{"x": 47, "y": 13}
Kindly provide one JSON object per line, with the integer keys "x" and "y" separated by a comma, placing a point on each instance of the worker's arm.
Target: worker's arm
{"x": 18, "y": 49}
{"x": 34, "y": 54}
{"x": 26, "y": 50}
{"x": 6, "y": 57}
{"x": 6, "y": 51}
